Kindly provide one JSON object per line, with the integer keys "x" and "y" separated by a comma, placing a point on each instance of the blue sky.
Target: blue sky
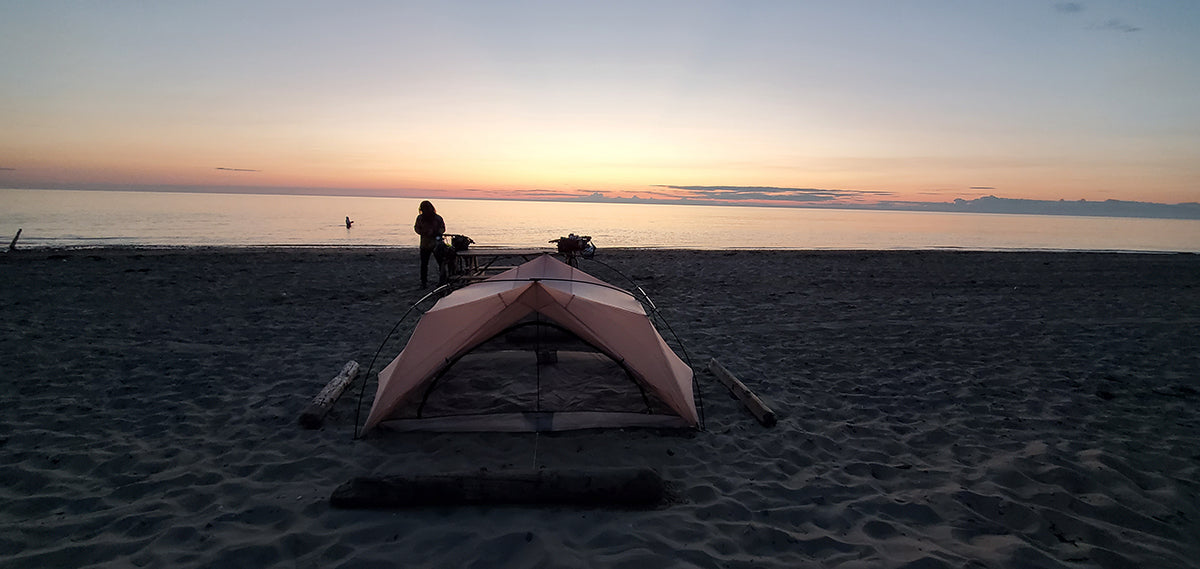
{"x": 915, "y": 100}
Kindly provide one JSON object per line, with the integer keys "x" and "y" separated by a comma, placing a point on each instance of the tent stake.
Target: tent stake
{"x": 314, "y": 415}
{"x": 756, "y": 406}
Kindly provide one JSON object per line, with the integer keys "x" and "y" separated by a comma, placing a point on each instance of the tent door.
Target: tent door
{"x": 543, "y": 348}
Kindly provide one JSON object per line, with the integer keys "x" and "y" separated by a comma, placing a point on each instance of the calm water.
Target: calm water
{"x": 61, "y": 218}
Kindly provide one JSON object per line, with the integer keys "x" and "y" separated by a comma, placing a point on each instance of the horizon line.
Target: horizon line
{"x": 983, "y": 204}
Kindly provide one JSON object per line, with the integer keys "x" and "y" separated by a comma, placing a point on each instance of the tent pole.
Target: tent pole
{"x": 537, "y": 364}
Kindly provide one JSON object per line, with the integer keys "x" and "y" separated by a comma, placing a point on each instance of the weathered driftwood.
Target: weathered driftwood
{"x": 314, "y": 415}
{"x": 756, "y": 406}
{"x": 609, "y": 488}
{"x": 13, "y": 246}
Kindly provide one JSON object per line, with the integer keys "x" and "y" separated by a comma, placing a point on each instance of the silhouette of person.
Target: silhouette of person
{"x": 348, "y": 222}
{"x": 430, "y": 227}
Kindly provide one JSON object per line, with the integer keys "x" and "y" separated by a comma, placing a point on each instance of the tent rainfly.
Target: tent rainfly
{"x": 540, "y": 347}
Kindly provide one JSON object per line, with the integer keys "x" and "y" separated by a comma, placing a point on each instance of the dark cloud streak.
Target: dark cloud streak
{"x": 1115, "y": 25}
{"x": 818, "y": 198}
{"x": 768, "y": 193}
{"x": 1110, "y": 25}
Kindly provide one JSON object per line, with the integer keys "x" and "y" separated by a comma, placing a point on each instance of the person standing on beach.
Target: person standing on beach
{"x": 430, "y": 227}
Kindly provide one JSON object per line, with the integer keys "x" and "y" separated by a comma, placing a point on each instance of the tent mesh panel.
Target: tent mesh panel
{"x": 534, "y": 367}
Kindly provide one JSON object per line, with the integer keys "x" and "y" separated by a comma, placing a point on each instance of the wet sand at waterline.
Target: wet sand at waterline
{"x": 936, "y": 409}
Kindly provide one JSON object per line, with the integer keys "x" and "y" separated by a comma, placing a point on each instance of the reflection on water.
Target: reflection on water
{"x": 78, "y": 218}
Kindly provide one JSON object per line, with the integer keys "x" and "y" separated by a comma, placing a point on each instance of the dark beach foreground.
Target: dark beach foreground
{"x": 936, "y": 409}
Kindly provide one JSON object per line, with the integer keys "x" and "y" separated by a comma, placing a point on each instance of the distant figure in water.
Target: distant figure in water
{"x": 348, "y": 222}
{"x": 430, "y": 227}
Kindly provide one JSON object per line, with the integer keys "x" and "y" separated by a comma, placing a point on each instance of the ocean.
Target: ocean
{"x": 73, "y": 219}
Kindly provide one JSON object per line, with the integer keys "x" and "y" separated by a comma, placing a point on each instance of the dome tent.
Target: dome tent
{"x": 540, "y": 347}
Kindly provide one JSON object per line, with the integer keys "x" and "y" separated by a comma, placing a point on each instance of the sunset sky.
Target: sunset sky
{"x": 914, "y": 100}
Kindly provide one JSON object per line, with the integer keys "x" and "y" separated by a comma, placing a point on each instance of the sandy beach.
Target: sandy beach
{"x": 936, "y": 410}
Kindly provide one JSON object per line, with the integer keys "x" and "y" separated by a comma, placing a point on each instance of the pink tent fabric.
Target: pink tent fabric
{"x": 608, "y": 318}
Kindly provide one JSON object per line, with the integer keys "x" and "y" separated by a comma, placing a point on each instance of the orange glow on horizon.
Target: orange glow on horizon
{"x": 545, "y": 164}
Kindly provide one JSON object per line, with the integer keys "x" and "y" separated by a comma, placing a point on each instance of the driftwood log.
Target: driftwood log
{"x": 13, "y": 246}
{"x": 609, "y": 488}
{"x": 314, "y": 415}
{"x": 756, "y": 406}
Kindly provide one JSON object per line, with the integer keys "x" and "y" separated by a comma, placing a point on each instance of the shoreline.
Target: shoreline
{"x": 936, "y": 409}
{"x": 24, "y": 250}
